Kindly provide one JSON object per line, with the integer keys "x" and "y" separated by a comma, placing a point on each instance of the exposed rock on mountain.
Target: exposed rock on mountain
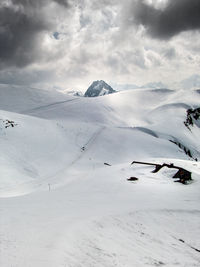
{"x": 193, "y": 116}
{"x": 99, "y": 88}
{"x": 75, "y": 93}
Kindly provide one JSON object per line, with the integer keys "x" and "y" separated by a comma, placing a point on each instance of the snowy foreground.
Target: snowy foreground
{"x": 61, "y": 205}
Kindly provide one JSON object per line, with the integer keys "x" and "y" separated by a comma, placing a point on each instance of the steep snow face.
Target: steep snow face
{"x": 99, "y": 88}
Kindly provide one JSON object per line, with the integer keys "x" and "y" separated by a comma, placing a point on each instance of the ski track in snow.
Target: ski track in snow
{"x": 47, "y": 107}
{"x": 64, "y": 172}
{"x": 88, "y": 144}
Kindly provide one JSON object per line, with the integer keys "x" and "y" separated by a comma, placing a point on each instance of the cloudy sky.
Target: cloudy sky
{"x": 68, "y": 44}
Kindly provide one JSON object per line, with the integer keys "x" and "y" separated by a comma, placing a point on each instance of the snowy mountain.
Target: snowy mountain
{"x": 154, "y": 85}
{"x": 121, "y": 87}
{"x": 99, "y": 88}
{"x": 191, "y": 82}
{"x": 65, "y": 195}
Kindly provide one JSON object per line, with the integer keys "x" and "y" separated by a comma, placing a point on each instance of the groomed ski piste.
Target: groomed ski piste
{"x": 61, "y": 205}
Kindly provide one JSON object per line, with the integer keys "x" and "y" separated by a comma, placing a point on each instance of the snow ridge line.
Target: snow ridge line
{"x": 29, "y": 111}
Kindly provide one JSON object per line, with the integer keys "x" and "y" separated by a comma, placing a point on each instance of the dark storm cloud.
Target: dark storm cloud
{"x": 176, "y": 17}
{"x": 64, "y": 3}
{"x": 19, "y": 34}
{"x": 21, "y": 25}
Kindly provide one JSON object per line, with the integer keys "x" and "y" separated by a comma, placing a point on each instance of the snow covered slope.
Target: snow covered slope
{"x": 65, "y": 161}
{"x": 21, "y": 98}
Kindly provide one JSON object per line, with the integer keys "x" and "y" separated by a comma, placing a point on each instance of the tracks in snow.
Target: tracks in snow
{"x": 46, "y": 183}
{"x": 88, "y": 144}
{"x": 47, "y": 107}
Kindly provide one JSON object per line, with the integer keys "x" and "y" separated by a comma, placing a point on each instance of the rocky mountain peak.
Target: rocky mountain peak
{"x": 99, "y": 88}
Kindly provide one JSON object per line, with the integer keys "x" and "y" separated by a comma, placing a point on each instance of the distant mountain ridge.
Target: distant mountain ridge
{"x": 74, "y": 93}
{"x": 191, "y": 82}
{"x": 99, "y": 88}
{"x": 153, "y": 85}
